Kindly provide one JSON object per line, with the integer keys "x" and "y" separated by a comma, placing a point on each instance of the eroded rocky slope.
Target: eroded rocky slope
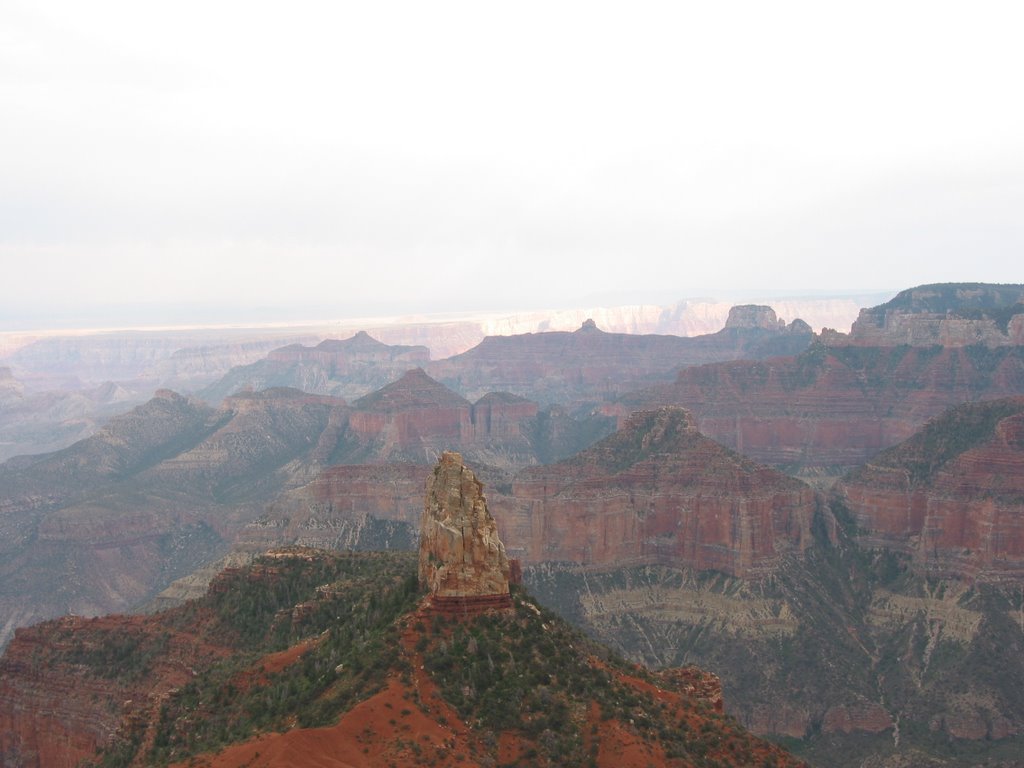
{"x": 104, "y": 524}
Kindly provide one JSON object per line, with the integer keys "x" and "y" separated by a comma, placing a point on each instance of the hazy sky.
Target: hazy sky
{"x": 349, "y": 158}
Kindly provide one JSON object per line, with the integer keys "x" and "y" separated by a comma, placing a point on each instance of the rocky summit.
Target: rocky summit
{"x": 462, "y": 560}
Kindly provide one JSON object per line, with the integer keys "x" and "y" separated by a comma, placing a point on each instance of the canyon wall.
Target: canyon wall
{"x": 952, "y": 496}
{"x": 831, "y": 408}
{"x": 947, "y": 314}
{"x": 659, "y": 491}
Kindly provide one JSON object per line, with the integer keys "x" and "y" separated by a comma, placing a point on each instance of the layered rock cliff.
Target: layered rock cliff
{"x": 367, "y": 506}
{"x": 952, "y": 496}
{"x": 949, "y": 314}
{"x": 202, "y": 362}
{"x": 831, "y": 408}
{"x": 660, "y": 491}
{"x": 845, "y": 652}
{"x": 415, "y": 418}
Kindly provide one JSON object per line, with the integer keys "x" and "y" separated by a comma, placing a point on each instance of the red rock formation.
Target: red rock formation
{"x": 462, "y": 559}
{"x": 952, "y": 496}
{"x": 414, "y": 415}
{"x": 55, "y": 712}
{"x": 659, "y": 491}
{"x": 696, "y": 682}
{"x": 142, "y": 686}
{"x": 832, "y": 407}
{"x": 864, "y": 716}
{"x": 499, "y": 415}
{"x": 590, "y": 364}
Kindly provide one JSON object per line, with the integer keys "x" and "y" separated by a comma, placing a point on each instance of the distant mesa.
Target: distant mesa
{"x": 947, "y": 314}
{"x": 754, "y": 316}
{"x": 462, "y": 560}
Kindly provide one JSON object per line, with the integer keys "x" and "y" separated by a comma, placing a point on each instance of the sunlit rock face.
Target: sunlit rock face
{"x": 462, "y": 560}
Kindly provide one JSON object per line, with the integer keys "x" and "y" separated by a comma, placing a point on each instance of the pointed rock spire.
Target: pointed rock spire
{"x": 462, "y": 560}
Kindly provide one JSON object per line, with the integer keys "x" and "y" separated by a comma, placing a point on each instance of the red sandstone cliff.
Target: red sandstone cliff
{"x": 66, "y": 688}
{"x": 659, "y": 491}
{"x": 833, "y": 406}
{"x": 952, "y": 496}
{"x": 416, "y": 418}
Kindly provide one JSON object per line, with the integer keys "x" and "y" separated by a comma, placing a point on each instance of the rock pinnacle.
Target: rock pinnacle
{"x": 462, "y": 560}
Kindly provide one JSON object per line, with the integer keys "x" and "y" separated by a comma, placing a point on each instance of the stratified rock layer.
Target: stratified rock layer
{"x": 462, "y": 560}
{"x": 949, "y": 314}
{"x": 659, "y": 491}
{"x": 952, "y": 496}
{"x": 833, "y": 408}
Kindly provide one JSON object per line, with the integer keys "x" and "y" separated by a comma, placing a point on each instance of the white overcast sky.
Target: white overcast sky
{"x": 378, "y": 157}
